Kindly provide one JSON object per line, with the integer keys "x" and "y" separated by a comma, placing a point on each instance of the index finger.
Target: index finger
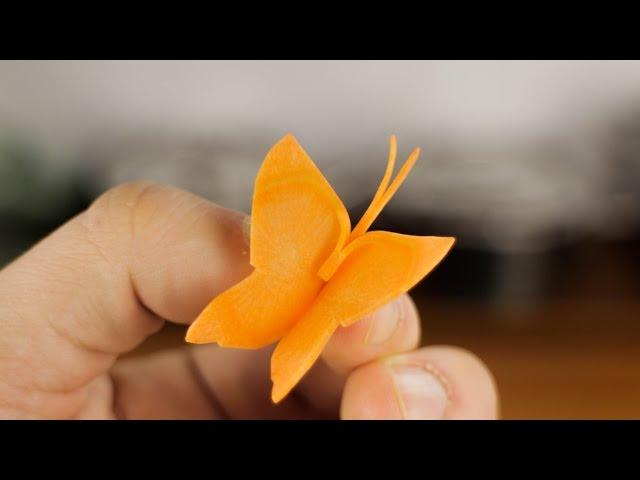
{"x": 107, "y": 279}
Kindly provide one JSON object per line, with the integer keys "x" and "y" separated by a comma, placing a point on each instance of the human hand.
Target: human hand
{"x": 145, "y": 253}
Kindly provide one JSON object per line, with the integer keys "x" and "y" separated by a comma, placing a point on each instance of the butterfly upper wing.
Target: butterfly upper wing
{"x": 297, "y": 222}
{"x": 297, "y": 218}
{"x": 377, "y": 267}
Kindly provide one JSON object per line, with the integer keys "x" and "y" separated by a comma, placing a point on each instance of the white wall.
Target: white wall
{"x": 500, "y": 113}
{"x": 333, "y": 105}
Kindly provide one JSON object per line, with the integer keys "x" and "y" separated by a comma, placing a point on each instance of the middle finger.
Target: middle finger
{"x": 395, "y": 328}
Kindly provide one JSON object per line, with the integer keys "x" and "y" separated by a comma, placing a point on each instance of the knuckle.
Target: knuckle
{"x": 123, "y": 197}
{"x": 113, "y": 210}
{"x": 108, "y": 220}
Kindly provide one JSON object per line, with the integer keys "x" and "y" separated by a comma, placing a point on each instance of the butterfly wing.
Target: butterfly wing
{"x": 297, "y": 222}
{"x": 377, "y": 267}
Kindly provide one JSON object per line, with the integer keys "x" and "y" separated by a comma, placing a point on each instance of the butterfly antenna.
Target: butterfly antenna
{"x": 385, "y": 191}
{"x": 391, "y": 163}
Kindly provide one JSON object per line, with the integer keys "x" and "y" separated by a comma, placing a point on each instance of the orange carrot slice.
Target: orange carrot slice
{"x": 379, "y": 266}
{"x": 380, "y": 199}
{"x": 297, "y": 222}
{"x": 312, "y": 272}
{"x": 255, "y": 312}
{"x": 297, "y": 219}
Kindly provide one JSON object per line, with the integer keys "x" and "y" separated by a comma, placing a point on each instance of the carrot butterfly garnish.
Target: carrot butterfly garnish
{"x": 312, "y": 272}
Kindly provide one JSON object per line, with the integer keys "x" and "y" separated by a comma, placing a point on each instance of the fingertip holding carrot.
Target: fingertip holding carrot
{"x": 312, "y": 272}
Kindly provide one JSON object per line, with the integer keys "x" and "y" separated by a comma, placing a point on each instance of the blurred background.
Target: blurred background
{"x": 534, "y": 166}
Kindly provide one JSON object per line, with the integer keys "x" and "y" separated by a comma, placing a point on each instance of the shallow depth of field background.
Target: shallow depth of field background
{"x": 533, "y": 166}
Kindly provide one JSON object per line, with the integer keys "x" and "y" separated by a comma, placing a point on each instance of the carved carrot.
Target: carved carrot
{"x": 312, "y": 273}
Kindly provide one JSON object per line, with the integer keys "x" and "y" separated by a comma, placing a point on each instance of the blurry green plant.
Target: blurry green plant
{"x": 36, "y": 195}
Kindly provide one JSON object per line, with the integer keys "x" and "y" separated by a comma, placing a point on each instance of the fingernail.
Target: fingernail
{"x": 420, "y": 391}
{"x": 383, "y": 324}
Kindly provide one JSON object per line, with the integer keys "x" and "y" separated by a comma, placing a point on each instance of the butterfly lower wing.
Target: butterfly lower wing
{"x": 376, "y": 268}
{"x": 298, "y": 350}
{"x": 255, "y": 312}
{"x": 297, "y": 222}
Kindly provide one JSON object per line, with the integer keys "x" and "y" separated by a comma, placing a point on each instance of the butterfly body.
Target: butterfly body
{"x": 312, "y": 272}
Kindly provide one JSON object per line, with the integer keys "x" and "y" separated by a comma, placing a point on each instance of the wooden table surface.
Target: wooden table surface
{"x": 561, "y": 360}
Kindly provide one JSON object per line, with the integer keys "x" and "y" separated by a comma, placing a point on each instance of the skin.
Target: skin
{"x": 143, "y": 254}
